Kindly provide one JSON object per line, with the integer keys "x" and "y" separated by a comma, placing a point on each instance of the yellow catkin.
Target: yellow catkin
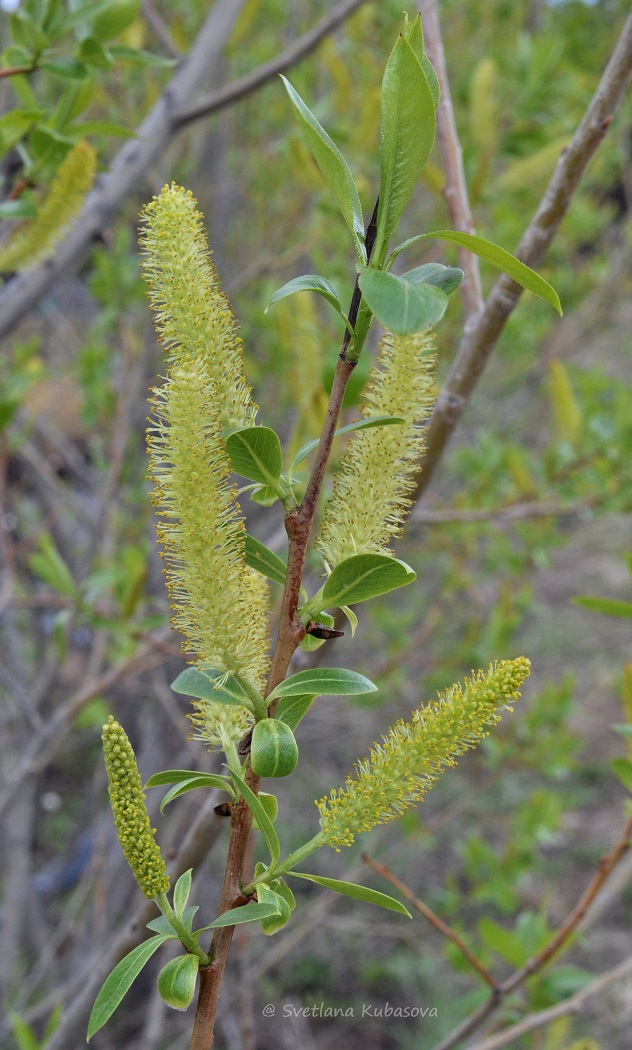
{"x": 35, "y": 240}
{"x": 401, "y": 770}
{"x": 371, "y": 489}
{"x": 131, "y": 820}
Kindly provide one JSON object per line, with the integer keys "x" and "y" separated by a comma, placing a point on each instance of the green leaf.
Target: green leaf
{"x": 623, "y": 769}
{"x": 14, "y": 126}
{"x": 408, "y": 132}
{"x": 273, "y": 749}
{"x": 263, "y": 495}
{"x": 504, "y": 942}
{"x": 310, "y": 282}
{"x": 610, "y": 606}
{"x": 207, "y": 780}
{"x": 401, "y": 305}
{"x": 447, "y": 278}
{"x": 119, "y": 981}
{"x": 136, "y": 56}
{"x": 99, "y": 127}
{"x": 324, "y": 681}
{"x": 624, "y": 728}
{"x": 272, "y": 923}
{"x": 334, "y": 168}
{"x": 210, "y": 684}
{"x": 364, "y": 576}
{"x": 266, "y": 827}
{"x": 259, "y": 557}
{"x": 292, "y": 709}
{"x": 176, "y": 776}
{"x": 176, "y": 981}
{"x": 22, "y": 1032}
{"x": 181, "y": 893}
{"x": 246, "y": 913}
{"x": 65, "y": 68}
{"x": 49, "y": 565}
{"x": 504, "y": 261}
{"x": 94, "y": 54}
{"x": 415, "y": 38}
{"x": 360, "y": 424}
{"x": 352, "y": 618}
{"x": 18, "y": 209}
{"x": 162, "y": 926}
{"x": 255, "y": 453}
{"x": 359, "y": 893}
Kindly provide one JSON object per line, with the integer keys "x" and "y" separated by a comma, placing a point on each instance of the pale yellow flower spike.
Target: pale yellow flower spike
{"x": 192, "y": 315}
{"x": 370, "y": 497}
{"x": 35, "y": 240}
{"x": 217, "y": 607}
{"x": 401, "y": 770}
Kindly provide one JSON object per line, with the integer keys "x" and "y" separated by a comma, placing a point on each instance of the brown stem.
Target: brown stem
{"x": 480, "y": 336}
{"x": 565, "y": 931}
{"x": 455, "y": 191}
{"x": 15, "y": 71}
{"x": 433, "y": 919}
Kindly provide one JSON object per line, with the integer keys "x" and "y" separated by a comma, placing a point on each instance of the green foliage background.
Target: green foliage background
{"x": 531, "y": 506}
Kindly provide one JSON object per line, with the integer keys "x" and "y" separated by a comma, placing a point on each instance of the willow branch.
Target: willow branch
{"x": 455, "y": 191}
{"x": 225, "y": 96}
{"x": 479, "y": 338}
{"x": 172, "y": 112}
{"x": 552, "y": 948}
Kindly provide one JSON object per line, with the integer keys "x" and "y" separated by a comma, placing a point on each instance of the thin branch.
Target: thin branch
{"x": 170, "y": 114}
{"x": 455, "y": 191}
{"x": 479, "y": 338}
{"x": 513, "y": 512}
{"x": 433, "y": 919}
{"x": 552, "y": 948}
{"x": 574, "y": 1004}
{"x": 245, "y": 85}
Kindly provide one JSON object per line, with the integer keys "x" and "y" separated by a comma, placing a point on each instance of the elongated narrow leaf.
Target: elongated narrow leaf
{"x": 176, "y": 776}
{"x": 504, "y": 261}
{"x": 309, "y": 282}
{"x": 255, "y": 453}
{"x": 403, "y": 306}
{"x": 206, "y": 780}
{"x": 610, "y": 606}
{"x": 119, "y": 981}
{"x": 360, "y": 424}
{"x": 266, "y": 827}
{"x": 265, "y": 561}
{"x": 325, "y": 681}
{"x": 246, "y": 913}
{"x": 409, "y": 126}
{"x": 163, "y": 926}
{"x": 210, "y": 684}
{"x": 447, "y": 278}
{"x": 415, "y": 38}
{"x": 364, "y": 576}
{"x": 292, "y": 708}
{"x": 623, "y": 769}
{"x": 334, "y": 168}
{"x": 359, "y": 893}
{"x": 181, "y": 892}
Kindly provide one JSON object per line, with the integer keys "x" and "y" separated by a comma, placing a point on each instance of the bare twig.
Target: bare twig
{"x": 433, "y": 919}
{"x": 245, "y": 85}
{"x": 552, "y": 948}
{"x": 479, "y": 338}
{"x": 455, "y": 191}
{"x": 574, "y": 1004}
{"x": 172, "y": 112}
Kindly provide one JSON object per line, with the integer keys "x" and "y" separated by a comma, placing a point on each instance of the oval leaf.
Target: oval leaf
{"x": 292, "y": 709}
{"x": 272, "y": 923}
{"x": 309, "y": 282}
{"x": 176, "y": 981}
{"x": 119, "y": 981}
{"x": 504, "y": 261}
{"x": 447, "y": 278}
{"x": 334, "y": 168}
{"x": 364, "y": 576}
{"x": 265, "y": 561}
{"x": 359, "y": 893}
{"x": 273, "y": 751}
{"x": 402, "y": 306}
{"x": 325, "y": 681}
{"x": 255, "y": 453}
{"x": 209, "y": 684}
{"x": 409, "y": 125}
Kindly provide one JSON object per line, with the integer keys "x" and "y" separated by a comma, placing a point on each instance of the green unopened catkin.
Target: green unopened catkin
{"x": 131, "y": 819}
